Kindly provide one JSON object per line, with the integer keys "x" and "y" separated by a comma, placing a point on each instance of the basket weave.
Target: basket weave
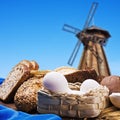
{"x": 88, "y": 105}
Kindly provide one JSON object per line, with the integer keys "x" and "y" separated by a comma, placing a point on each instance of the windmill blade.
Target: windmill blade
{"x": 71, "y": 29}
{"x": 74, "y": 53}
{"x": 91, "y": 14}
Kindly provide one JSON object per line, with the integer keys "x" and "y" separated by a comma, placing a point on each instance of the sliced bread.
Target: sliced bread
{"x": 15, "y": 78}
{"x": 19, "y": 73}
{"x": 75, "y": 75}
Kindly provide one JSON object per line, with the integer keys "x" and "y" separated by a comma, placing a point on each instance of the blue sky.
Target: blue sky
{"x": 32, "y": 29}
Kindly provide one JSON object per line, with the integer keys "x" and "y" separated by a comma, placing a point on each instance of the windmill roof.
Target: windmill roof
{"x": 95, "y": 28}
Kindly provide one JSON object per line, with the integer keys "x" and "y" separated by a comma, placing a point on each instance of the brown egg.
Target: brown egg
{"x": 112, "y": 82}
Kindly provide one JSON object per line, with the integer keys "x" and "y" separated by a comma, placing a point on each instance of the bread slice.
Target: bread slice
{"x": 15, "y": 78}
{"x": 75, "y": 75}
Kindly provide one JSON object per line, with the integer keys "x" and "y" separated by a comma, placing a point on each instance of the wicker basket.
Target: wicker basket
{"x": 88, "y": 105}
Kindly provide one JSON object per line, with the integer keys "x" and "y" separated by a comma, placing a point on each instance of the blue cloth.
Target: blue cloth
{"x": 1, "y": 80}
{"x": 10, "y": 114}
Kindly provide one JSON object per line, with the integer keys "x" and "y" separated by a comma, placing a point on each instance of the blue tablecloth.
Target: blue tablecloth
{"x": 10, "y": 114}
{"x": 1, "y": 80}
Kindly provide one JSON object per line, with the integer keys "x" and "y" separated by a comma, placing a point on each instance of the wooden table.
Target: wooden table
{"x": 10, "y": 105}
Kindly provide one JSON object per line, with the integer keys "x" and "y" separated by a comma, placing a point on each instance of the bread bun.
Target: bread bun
{"x": 112, "y": 82}
{"x": 25, "y": 98}
{"x": 35, "y": 65}
{"x": 27, "y": 63}
{"x": 32, "y": 65}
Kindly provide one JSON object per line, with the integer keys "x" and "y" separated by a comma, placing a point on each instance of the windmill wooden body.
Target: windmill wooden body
{"x": 93, "y": 40}
{"x": 93, "y": 56}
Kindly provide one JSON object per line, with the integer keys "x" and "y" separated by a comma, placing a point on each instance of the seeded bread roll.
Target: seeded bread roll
{"x": 74, "y": 75}
{"x": 15, "y": 78}
{"x": 26, "y": 96}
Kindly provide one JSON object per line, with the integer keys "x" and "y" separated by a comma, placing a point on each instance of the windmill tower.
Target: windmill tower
{"x": 93, "y": 39}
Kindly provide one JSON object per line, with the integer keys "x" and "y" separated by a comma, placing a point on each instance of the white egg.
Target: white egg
{"x": 55, "y": 82}
{"x": 88, "y": 85}
{"x": 115, "y": 99}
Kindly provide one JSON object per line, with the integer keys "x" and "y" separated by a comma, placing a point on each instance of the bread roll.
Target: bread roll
{"x": 15, "y": 78}
{"x": 27, "y": 63}
{"x": 32, "y": 65}
{"x": 35, "y": 65}
{"x": 26, "y": 96}
{"x": 112, "y": 82}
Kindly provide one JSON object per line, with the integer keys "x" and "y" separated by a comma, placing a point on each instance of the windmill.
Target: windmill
{"x": 93, "y": 39}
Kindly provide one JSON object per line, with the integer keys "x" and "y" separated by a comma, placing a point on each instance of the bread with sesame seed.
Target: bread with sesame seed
{"x": 25, "y": 98}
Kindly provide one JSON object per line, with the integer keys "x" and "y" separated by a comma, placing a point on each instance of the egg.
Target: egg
{"x": 115, "y": 99}
{"x": 88, "y": 85}
{"x": 56, "y": 82}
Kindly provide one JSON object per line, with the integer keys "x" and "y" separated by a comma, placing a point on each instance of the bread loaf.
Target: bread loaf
{"x": 18, "y": 74}
{"x": 26, "y": 96}
{"x": 75, "y": 75}
{"x": 15, "y": 78}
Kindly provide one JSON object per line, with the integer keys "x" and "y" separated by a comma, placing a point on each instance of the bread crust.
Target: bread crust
{"x": 25, "y": 98}
{"x": 18, "y": 74}
{"x": 15, "y": 78}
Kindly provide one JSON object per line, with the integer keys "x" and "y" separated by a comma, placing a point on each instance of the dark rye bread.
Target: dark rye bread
{"x": 74, "y": 75}
{"x": 15, "y": 78}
